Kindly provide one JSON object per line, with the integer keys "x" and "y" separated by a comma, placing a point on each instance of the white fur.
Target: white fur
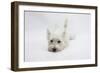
{"x": 58, "y": 33}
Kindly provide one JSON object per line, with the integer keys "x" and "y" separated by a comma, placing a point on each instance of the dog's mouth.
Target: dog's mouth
{"x": 53, "y": 50}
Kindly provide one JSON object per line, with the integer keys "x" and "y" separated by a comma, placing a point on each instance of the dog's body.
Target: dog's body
{"x": 58, "y": 37}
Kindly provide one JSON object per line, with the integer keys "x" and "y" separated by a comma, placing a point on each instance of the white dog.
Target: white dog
{"x": 58, "y": 37}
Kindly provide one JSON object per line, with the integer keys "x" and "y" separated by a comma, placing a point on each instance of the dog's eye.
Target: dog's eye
{"x": 59, "y": 41}
{"x": 51, "y": 41}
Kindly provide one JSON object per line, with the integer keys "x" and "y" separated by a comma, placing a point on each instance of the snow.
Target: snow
{"x": 36, "y": 42}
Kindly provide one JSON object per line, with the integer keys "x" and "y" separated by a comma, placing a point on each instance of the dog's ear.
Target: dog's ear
{"x": 48, "y": 33}
{"x": 65, "y": 24}
{"x": 65, "y": 27}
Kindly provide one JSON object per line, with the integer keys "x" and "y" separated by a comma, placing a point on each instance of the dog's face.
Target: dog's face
{"x": 56, "y": 42}
{"x": 57, "y": 38}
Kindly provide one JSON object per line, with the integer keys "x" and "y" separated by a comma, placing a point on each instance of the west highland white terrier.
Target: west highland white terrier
{"x": 58, "y": 37}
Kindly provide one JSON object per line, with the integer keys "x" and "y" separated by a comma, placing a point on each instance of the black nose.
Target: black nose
{"x": 54, "y": 50}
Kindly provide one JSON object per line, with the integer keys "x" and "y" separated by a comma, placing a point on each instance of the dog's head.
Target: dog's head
{"x": 56, "y": 42}
{"x": 57, "y": 39}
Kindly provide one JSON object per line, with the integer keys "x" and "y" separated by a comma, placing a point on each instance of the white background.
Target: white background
{"x": 5, "y": 41}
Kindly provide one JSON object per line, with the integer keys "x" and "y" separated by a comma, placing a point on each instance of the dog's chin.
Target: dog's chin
{"x": 54, "y": 51}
